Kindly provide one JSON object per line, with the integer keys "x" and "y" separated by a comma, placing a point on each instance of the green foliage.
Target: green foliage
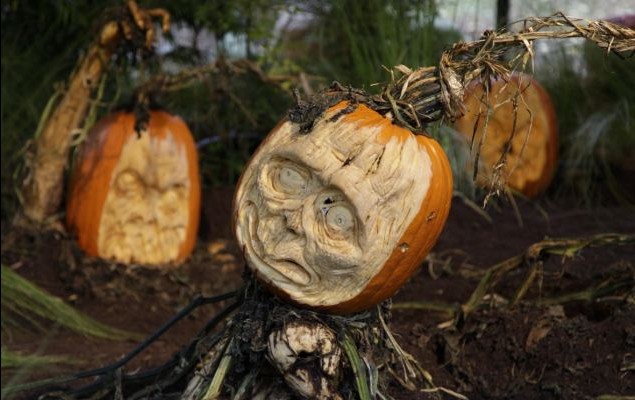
{"x": 24, "y": 301}
{"x": 41, "y": 41}
{"x": 611, "y": 81}
{"x": 254, "y": 18}
{"x": 458, "y": 152}
{"x": 594, "y": 97}
{"x": 354, "y": 40}
{"x": 18, "y": 366}
{"x": 11, "y": 359}
{"x": 358, "y": 366}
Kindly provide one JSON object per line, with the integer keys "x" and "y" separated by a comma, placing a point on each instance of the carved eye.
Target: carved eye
{"x": 171, "y": 200}
{"x": 336, "y": 211}
{"x": 129, "y": 183}
{"x": 339, "y": 218}
{"x": 170, "y": 196}
{"x": 291, "y": 180}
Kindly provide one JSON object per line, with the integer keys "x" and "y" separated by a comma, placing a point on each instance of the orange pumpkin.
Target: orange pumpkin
{"x": 135, "y": 198}
{"x": 532, "y": 159}
{"x": 337, "y": 219}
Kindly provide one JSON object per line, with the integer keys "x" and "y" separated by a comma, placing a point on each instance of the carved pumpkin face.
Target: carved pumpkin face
{"x": 531, "y": 161}
{"x": 339, "y": 218}
{"x": 136, "y": 198}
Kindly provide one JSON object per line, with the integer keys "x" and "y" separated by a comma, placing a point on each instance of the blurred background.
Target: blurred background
{"x": 307, "y": 45}
{"x": 244, "y": 59}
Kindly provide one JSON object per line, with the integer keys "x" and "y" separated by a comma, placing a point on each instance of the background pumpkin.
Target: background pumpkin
{"x": 390, "y": 192}
{"x": 532, "y": 158}
{"x": 135, "y": 197}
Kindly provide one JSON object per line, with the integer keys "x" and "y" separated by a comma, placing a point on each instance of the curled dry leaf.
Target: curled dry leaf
{"x": 543, "y": 326}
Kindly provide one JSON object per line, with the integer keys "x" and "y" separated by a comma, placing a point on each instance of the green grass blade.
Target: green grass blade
{"x": 359, "y": 368}
{"x": 216, "y": 385}
{"x": 20, "y": 295}
{"x": 12, "y": 360}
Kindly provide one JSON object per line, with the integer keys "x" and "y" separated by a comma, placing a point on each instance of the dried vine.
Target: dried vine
{"x": 416, "y": 98}
{"x": 429, "y": 94}
{"x": 532, "y": 259}
{"x": 151, "y": 91}
{"x": 42, "y": 186}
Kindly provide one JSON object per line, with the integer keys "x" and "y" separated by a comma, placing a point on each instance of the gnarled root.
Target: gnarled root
{"x": 308, "y": 356}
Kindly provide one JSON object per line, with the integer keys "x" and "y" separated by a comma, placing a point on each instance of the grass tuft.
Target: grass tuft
{"x": 29, "y": 302}
{"x": 14, "y": 360}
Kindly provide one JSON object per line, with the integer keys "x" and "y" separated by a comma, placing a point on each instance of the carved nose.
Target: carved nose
{"x": 293, "y": 220}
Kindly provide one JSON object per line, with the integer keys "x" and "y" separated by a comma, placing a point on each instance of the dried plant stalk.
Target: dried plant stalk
{"x": 41, "y": 190}
{"x": 416, "y": 98}
{"x": 424, "y": 95}
{"x": 429, "y": 94}
{"x": 535, "y": 255}
{"x": 162, "y": 83}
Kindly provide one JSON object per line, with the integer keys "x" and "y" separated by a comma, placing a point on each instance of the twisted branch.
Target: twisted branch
{"x": 424, "y": 95}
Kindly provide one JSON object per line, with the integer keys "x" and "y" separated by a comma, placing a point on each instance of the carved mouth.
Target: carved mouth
{"x": 274, "y": 269}
{"x": 140, "y": 241}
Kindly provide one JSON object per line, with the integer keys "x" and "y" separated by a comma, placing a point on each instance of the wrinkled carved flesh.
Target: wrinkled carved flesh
{"x": 146, "y": 210}
{"x": 319, "y": 214}
{"x": 291, "y": 350}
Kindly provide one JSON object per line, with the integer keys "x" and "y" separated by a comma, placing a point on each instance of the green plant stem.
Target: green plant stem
{"x": 214, "y": 389}
{"x": 449, "y": 310}
{"x": 358, "y": 366}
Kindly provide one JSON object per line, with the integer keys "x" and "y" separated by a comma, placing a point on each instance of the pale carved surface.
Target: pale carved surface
{"x": 146, "y": 210}
{"x": 318, "y": 214}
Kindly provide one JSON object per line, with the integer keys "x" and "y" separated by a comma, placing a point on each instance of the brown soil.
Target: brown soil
{"x": 573, "y": 349}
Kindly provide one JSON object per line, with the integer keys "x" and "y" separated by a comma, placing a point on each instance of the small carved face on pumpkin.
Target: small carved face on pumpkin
{"x": 515, "y": 117}
{"x": 145, "y": 214}
{"x": 319, "y": 214}
{"x": 135, "y": 197}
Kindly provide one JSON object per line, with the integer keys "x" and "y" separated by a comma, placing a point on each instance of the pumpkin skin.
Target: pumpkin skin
{"x": 136, "y": 198}
{"x": 372, "y": 200}
{"x": 532, "y": 161}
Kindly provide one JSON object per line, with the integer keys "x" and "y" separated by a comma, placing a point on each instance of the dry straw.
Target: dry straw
{"x": 429, "y": 94}
{"x": 416, "y": 98}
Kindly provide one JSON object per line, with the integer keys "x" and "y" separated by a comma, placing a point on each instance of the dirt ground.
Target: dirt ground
{"x": 555, "y": 344}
